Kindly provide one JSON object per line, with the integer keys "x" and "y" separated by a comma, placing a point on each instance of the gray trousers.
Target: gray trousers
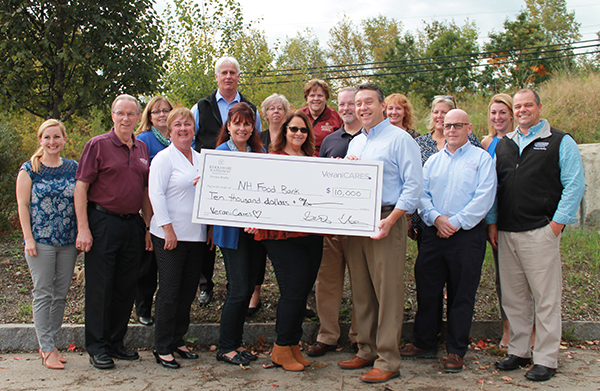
{"x": 51, "y": 272}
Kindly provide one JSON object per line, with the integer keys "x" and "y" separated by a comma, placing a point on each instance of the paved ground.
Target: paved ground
{"x": 579, "y": 369}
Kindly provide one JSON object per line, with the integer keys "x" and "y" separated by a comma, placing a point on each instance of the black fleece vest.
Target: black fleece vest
{"x": 529, "y": 187}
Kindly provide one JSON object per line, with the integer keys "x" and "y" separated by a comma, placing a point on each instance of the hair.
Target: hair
{"x": 309, "y": 144}
{"x": 351, "y": 89}
{"x": 35, "y": 158}
{"x": 241, "y": 111}
{"x": 126, "y": 97}
{"x": 402, "y": 100}
{"x": 508, "y": 102}
{"x": 272, "y": 99}
{"x": 314, "y": 83}
{"x": 181, "y": 111}
{"x": 536, "y": 97}
{"x": 227, "y": 60}
{"x": 371, "y": 87}
{"x": 441, "y": 99}
{"x": 145, "y": 123}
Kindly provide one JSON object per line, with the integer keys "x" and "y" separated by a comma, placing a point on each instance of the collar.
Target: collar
{"x": 459, "y": 151}
{"x": 377, "y": 128}
{"x": 218, "y": 96}
{"x": 541, "y": 130}
{"x": 116, "y": 140}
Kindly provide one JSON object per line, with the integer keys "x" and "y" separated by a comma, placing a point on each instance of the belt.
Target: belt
{"x": 124, "y": 216}
{"x": 387, "y": 208}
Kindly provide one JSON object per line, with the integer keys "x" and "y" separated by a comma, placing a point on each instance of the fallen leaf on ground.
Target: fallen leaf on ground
{"x": 584, "y": 367}
{"x": 71, "y": 347}
{"x": 17, "y": 358}
{"x": 318, "y": 365}
{"x": 212, "y": 348}
{"x": 274, "y": 385}
{"x": 244, "y": 367}
{"x": 506, "y": 378}
{"x": 484, "y": 367}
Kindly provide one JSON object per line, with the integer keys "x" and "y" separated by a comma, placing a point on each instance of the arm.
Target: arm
{"x": 158, "y": 182}
{"x": 445, "y": 227}
{"x": 386, "y": 224}
{"x": 84, "y": 236}
{"x": 492, "y": 232}
{"x": 147, "y": 215}
{"x": 571, "y": 177}
{"x": 24, "y": 184}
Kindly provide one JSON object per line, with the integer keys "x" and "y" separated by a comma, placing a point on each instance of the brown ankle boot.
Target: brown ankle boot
{"x": 282, "y": 356}
{"x": 298, "y": 356}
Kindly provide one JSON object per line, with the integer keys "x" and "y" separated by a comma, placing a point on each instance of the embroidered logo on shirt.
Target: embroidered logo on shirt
{"x": 326, "y": 127}
{"x": 471, "y": 165}
{"x": 144, "y": 161}
{"x": 540, "y": 146}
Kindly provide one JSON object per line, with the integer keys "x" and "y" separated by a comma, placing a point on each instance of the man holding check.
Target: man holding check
{"x": 377, "y": 264}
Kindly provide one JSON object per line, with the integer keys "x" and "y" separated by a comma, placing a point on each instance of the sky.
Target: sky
{"x": 279, "y": 19}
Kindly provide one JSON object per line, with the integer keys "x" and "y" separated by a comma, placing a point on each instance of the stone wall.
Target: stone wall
{"x": 589, "y": 210}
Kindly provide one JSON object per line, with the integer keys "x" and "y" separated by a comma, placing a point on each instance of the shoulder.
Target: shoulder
{"x": 27, "y": 167}
{"x": 146, "y": 136}
{"x": 208, "y": 99}
{"x": 70, "y": 163}
{"x": 486, "y": 141}
{"x": 223, "y": 147}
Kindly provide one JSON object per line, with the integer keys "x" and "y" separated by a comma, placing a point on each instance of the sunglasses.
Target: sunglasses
{"x": 449, "y": 97}
{"x": 294, "y": 129}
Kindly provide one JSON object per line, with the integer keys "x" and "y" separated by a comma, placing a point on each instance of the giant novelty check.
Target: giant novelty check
{"x": 289, "y": 193}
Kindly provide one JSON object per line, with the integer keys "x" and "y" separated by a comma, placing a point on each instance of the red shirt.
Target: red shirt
{"x": 116, "y": 173}
{"x": 329, "y": 123}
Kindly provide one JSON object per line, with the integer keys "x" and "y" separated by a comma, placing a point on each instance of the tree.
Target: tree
{"x": 61, "y": 57}
{"x": 559, "y": 25}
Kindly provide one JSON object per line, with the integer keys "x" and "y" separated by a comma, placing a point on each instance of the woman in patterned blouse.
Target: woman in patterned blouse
{"x": 45, "y": 187}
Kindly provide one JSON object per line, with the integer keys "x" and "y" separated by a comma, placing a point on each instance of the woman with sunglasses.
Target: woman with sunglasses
{"x": 295, "y": 256}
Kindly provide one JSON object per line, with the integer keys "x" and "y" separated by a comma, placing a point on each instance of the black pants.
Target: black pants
{"x": 243, "y": 266}
{"x": 146, "y": 285}
{"x": 178, "y": 276}
{"x": 208, "y": 267}
{"x": 296, "y": 262}
{"x": 111, "y": 269}
{"x": 455, "y": 262}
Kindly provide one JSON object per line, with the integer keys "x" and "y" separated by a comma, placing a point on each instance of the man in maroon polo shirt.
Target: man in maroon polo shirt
{"x": 111, "y": 188}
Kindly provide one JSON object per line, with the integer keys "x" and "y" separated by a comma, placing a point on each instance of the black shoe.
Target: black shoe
{"x": 102, "y": 361}
{"x": 540, "y": 373}
{"x": 122, "y": 353}
{"x": 186, "y": 355}
{"x": 248, "y": 355}
{"x": 236, "y": 360}
{"x": 145, "y": 320}
{"x": 167, "y": 364}
{"x": 512, "y": 362}
{"x": 254, "y": 310}
{"x": 205, "y": 297}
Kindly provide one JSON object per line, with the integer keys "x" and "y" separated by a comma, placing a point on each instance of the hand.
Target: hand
{"x": 444, "y": 227}
{"x": 384, "y": 226}
{"x": 148, "y": 241}
{"x": 492, "y": 234}
{"x": 170, "y": 237}
{"x": 30, "y": 247}
{"x": 84, "y": 240}
{"x": 251, "y": 231}
{"x": 195, "y": 182}
{"x": 556, "y": 227}
{"x": 352, "y": 157}
{"x": 412, "y": 233}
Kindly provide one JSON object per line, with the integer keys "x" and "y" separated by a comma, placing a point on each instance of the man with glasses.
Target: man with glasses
{"x": 459, "y": 185}
{"x": 111, "y": 188}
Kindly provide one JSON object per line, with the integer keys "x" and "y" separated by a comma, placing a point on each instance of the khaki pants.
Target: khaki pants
{"x": 377, "y": 277}
{"x": 531, "y": 281}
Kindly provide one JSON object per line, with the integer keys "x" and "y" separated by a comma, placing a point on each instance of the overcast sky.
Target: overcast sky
{"x": 281, "y": 18}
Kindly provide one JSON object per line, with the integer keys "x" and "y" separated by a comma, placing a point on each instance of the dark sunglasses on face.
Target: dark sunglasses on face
{"x": 294, "y": 129}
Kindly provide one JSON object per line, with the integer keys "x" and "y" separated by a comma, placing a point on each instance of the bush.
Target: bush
{"x": 11, "y": 158}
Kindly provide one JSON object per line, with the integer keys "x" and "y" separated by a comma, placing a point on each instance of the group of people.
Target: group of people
{"x": 128, "y": 203}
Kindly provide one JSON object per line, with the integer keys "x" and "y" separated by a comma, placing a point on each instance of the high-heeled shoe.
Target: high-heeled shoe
{"x": 60, "y": 357}
{"x": 45, "y": 362}
{"x": 186, "y": 354}
{"x": 165, "y": 363}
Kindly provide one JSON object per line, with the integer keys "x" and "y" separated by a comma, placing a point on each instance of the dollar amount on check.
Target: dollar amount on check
{"x": 289, "y": 193}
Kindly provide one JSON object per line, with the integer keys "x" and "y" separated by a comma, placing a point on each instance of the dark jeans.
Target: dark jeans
{"x": 455, "y": 262}
{"x": 178, "y": 276}
{"x": 208, "y": 267}
{"x": 296, "y": 262}
{"x": 111, "y": 268}
{"x": 242, "y": 267}
{"x": 146, "y": 285}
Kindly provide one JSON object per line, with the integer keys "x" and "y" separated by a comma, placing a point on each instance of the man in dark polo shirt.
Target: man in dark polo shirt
{"x": 111, "y": 188}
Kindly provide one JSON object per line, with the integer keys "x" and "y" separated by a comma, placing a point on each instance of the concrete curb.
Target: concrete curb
{"x": 22, "y": 336}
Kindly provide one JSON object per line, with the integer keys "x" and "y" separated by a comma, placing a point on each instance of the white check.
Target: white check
{"x": 289, "y": 193}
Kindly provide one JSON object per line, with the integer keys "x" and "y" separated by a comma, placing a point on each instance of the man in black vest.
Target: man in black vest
{"x": 540, "y": 186}
{"x": 210, "y": 114}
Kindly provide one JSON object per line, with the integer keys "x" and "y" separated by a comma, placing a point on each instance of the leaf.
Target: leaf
{"x": 71, "y": 347}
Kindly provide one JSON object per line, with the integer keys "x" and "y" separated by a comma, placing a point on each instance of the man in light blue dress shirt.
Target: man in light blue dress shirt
{"x": 459, "y": 189}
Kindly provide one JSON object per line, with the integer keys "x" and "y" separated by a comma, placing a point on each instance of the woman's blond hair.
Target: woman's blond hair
{"x": 442, "y": 99}
{"x": 508, "y": 102}
{"x": 35, "y": 158}
{"x": 145, "y": 123}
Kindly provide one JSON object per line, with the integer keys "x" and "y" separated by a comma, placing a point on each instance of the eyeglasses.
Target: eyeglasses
{"x": 275, "y": 108}
{"x": 164, "y": 111}
{"x": 449, "y": 97}
{"x": 121, "y": 114}
{"x": 294, "y": 129}
{"x": 457, "y": 126}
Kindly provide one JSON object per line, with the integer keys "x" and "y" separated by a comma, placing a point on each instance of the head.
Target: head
{"x": 457, "y": 129}
{"x": 369, "y": 105}
{"x": 275, "y": 108}
{"x": 227, "y": 75}
{"x": 527, "y": 108}
{"x": 297, "y": 119}
{"x": 155, "y": 114}
{"x": 125, "y": 115}
{"x": 500, "y": 114}
{"x": 440, "y": 106}
{"x": 399, "y": 110}
{"x": 52, "y": 137}
{"x": 182, "y": 128}
{"x": 240, "y": 127}
{"x": 346, "y": 107}
{"x": 316, "y": 95}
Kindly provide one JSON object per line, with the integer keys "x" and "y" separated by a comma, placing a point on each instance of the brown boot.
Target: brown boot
{"x": 298, "y": 356}
{"x": 282, "y": 356}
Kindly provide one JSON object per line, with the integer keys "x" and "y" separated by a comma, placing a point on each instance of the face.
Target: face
{"x": 395, "y": 113}
{"x": 438, "y": 114}
{"x": 125, "y": 116}
{"x": 527, "y": 112}
{"x": 159, "y": 114}
{"x": 455, "y": 137}
{"x": 296, "y": 139}
{"x": 500, "y": 117}
{"x": 275, "y": 113}
{"x": 346, "y": 107}
{"x": 52, "y": 140}
{"x": 182, "y": 132}
{"x": 227, "y": 78}
{"x": 369, "y": 109}
{"x": 316, "y": 100}
{"x": 240, "y": 131}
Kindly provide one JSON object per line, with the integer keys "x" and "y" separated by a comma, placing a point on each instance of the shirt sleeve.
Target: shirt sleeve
{"x": 411, "y": 173}
{"x": 87, "y": 170}
{"x": 258, "y": 123}
{"x": 160, "y": 172}
{"x": 572, "y": 179}
{"x": 426, "y": 208}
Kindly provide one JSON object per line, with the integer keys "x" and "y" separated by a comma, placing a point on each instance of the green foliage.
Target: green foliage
{"x": 11, "y": 158}
{"x": 558, "y": 24}
{"x": 58, "y": 58}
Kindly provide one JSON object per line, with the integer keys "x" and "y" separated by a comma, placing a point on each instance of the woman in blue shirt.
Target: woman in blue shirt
{"x": 45, "y": 188}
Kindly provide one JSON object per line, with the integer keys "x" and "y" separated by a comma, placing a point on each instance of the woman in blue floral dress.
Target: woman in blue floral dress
{"x": 45, "y": 187}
